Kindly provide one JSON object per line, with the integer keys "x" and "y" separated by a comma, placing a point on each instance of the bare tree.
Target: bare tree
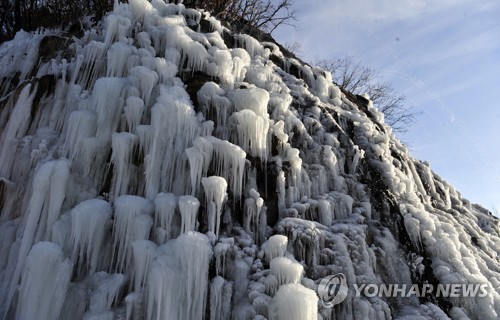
{"x": 359, "y": 79}
{"x": 265, "y": 15}
{"x": 294, "y": 47}
{"x": 32, "y": 14}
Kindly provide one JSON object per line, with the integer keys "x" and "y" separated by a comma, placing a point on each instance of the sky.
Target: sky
{"x": 443, "y": 55}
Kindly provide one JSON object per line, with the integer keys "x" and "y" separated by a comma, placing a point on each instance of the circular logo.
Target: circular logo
{"x": 332, "y": 289}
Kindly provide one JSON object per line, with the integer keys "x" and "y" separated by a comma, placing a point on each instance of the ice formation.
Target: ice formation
{"x": 162, "y": 166}
{"x": 294, "y": 302}
{"x": 275, "y": 247}
{"x": 44, "y": 282}
{"x": 215, "y": 193}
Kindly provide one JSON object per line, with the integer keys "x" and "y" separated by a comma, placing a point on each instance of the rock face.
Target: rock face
{"x": 162, "y": 167}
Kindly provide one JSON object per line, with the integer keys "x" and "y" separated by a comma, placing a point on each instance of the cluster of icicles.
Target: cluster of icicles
{"x": 78, "y": 262}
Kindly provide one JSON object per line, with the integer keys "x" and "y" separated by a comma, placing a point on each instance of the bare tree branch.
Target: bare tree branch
{"x": 265, "y": 15}
{"x": 358, "y": 79}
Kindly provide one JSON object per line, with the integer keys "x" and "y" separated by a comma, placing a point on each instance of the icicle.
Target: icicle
{"x": 81, "y": 125}
{"x": 255, "y": 99}
{"x": 132, "y": 222}
{"x": 107, "y": 292}
{"x": 88, "y": 227}
{"x": 143, "y": 252}
{"x": 118, "y": 55}
{"x": 229, "y": 162}
{"x": 358, "y": 154}
{"x": 145, "y": 80}
{"x": 275, "y": 247}
{"x": 220, "y": 299}
{"x": 343, "y": 207}
{"x": 271, "y": 284}
{"x": 196, "y": 56}
{"x": 172, "y": 119}
{"x": 253, "y": 208}
{"x": 188, "y": 206}
{"x": 15, "y": 129}
{"x": 93, "y": 54}
{"x": 44, "y": 283}
{"x": 412, "y": 226}
{"x": 133, "y": 304}
{"x": 165, "y": 205}
{"x": 48, "y": 194}
{"x": 294, "y": 302}
{"x": 216, "y": 290}
{"x": 252, "y": 133}
{"x": 211, "y": 97}
{"x": 124, "y": 146}
{"x": 199, "y": 157}
{"x": 107, "y": 99}
{"x": 215, "y": 193}
{"x": 286, "y": 270}
{"x": 133, "y": 110}
{"x": 221, "y": 252}
{"x": 178, "y": 280}
{"x": 251, "y": 44}
{"x": 145, "y": 137}
{"x": 116, "y": 28}
{"x": 325, "y": 212}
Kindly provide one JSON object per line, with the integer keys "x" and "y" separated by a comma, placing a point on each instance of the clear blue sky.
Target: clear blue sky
{"x": 444, "y": 55}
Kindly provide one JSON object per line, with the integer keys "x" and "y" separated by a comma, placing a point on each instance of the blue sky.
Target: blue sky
{"x": 444, "y": 55}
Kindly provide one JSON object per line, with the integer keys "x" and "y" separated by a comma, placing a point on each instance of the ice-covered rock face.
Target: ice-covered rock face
{"x": 165, "y": 168}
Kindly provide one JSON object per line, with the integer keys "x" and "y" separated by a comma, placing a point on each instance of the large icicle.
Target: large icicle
{"x": 215, "y": 194}
{"x": 132, "y": 221}
{"x": 89, "y": 221}
{"x": 143, "y": 252}
{"x": 275, "y": 247}
{"x": 174, "y": 125}
{"x": 199, "y": 157}
{"x": 252, "y": 133}
{"x": 48, "y": 194}
{"x": 188, "y": 206}
{"x": 124, "y": 146}
{"x": 165, "y": 205}
{"x": 294, "y": 302}
{"x": 178, "y": 280}
{"x": 16, "y": 128}
{"x": 229, "y": 162}
{"x": 44, "y": 283}
{"x": 286, "y": 270}
{"x": 81, "y": 125}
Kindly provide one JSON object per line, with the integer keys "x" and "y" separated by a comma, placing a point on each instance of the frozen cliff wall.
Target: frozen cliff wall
{"x": 162, "y": 167}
